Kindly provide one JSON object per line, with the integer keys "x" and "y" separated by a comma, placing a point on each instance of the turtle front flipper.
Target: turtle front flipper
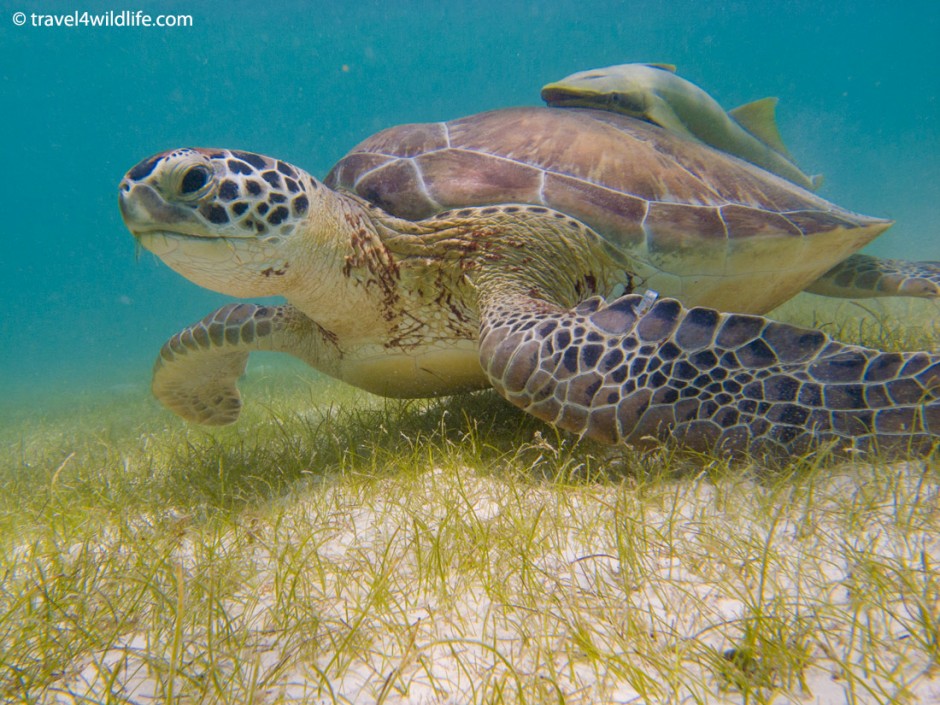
{"x": 710, "y": 380}
{"x": 196, "y": 373}
{"x": 863, "y": 276}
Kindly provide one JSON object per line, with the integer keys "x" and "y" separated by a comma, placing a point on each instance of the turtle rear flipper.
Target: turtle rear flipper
{"x": 196, "y": 373}
{"x": 710, "y": 380}
{"x": 864, "y": 276}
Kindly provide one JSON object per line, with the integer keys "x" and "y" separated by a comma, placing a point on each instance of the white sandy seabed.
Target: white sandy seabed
{"x": 614, "y": 599}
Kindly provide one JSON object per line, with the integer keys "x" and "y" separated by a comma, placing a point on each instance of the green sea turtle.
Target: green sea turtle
{"x": 493, "y": 251}
{"x": 655, "y": 93}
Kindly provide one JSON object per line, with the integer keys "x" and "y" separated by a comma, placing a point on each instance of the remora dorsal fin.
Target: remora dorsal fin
{"x": 760, "y": 119}
{"x": 671, "y": 68}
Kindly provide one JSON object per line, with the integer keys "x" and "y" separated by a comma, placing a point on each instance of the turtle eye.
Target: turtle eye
{"x": 194, "y": 180}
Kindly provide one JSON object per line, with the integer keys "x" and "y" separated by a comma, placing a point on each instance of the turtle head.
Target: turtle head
{"x": 224, "y": 219}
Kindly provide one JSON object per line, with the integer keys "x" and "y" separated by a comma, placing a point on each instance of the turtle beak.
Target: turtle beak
{"x": 145, "y": 211}
{"x": 129, "y": 211}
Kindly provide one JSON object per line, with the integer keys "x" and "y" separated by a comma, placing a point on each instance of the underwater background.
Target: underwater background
{"x": 84, "y": 313}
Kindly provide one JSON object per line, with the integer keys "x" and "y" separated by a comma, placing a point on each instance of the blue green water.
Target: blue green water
{"x": 859, "y": 88}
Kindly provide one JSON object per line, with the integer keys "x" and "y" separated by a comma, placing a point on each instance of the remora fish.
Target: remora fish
{"x": 653, "y": 92}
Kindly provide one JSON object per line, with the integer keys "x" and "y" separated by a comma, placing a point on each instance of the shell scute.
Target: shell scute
{"x": 696, "y": 224}
{"x": 455, "y": 178}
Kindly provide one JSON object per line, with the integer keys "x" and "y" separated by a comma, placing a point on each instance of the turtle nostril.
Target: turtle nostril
{"x": 194, "y": 179}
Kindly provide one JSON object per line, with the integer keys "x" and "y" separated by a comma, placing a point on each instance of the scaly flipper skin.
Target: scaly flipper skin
{"x": 197, "y": 370}
{"x": 708, "y": 380}
{"x": 863, "y": 276}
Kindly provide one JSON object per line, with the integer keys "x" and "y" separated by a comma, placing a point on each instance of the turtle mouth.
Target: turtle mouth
{"x": 183, "y": 252}
{"x": 145, "y": 214}
{"x": 149, "y": 233}
{"x": 143, "y": 235}
{"x": 163, "y": 243}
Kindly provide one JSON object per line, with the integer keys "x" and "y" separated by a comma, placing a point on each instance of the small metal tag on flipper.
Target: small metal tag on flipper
{"x": 649, "y": 298}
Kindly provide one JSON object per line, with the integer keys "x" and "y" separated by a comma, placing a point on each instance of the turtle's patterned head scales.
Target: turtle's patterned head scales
{"x": 227, "y": 220}
{"x": 215, "y": 193}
